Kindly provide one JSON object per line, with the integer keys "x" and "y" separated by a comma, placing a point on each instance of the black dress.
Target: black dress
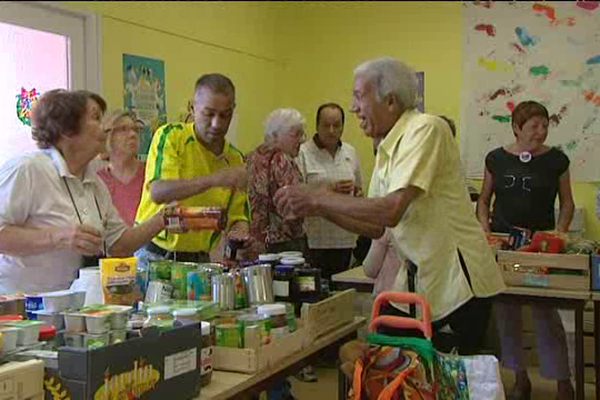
{"x": 525, "y": 193}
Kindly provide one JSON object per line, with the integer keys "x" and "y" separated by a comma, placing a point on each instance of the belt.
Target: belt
{"x": 185, "y": 256}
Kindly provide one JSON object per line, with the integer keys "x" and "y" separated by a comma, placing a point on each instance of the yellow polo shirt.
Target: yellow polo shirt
{"x": 421, "y": 151}
{"x": 176, "y": 153}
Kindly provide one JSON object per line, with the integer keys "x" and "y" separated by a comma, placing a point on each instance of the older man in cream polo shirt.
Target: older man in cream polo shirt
{"x": 418, "y": 191}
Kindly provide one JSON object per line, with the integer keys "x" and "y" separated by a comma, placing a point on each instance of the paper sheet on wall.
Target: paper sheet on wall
{"x": 543, "y": 51}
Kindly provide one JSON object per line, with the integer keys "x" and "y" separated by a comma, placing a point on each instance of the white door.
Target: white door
{"x": 41, "y": 48}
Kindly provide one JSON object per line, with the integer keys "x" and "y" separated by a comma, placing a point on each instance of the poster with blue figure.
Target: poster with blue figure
{"x": 144, "y": 95}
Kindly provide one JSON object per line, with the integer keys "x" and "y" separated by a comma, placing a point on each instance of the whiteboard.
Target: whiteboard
{"x": 543, "y": 51}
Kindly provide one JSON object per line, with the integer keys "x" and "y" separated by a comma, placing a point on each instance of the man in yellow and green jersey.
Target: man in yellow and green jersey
{"x": 194, "y": 165}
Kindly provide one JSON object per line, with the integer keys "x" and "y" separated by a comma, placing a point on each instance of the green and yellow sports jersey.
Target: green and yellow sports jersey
{"x": 176, "y": 153}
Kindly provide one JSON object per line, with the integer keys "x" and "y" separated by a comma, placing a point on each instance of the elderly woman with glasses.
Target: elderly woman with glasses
{"x": 54, "y": 209}
{"x": 271, "y": 166}
{"x": 124, "y": 174}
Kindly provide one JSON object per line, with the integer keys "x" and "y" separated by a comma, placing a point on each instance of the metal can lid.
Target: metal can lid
{"x": 269, "y": 257}
{"x": 292, "y": 261}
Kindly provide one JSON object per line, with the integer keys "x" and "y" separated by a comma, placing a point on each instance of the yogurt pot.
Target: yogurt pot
{"x": 73, "y": 339}
{"x": 119, "y": 317}
{"x": 118, "y": 336}
{"x": 74, "y": 322}
{"x": 56, "y": 319}
{"x": 57, "y": 301}
{"x": 98, "y": 323}
{"x": 9, "y": 338}
{"x": 29, "y": 331}
{"x": 91, "y": 340}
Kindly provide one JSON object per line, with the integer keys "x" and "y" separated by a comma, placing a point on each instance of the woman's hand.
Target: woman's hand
{"x": 82, "y": 239}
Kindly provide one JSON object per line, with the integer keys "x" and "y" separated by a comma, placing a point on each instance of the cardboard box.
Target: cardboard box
{"x": 328, "y": 315}
{"x": 556, "y": 271}
{"x": 22, "y": 380}
{"x": 157, "y": 366}
{"x": 256, "y": 359}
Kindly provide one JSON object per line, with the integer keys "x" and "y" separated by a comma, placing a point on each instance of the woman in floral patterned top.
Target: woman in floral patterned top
{"x": 271, "y": 166}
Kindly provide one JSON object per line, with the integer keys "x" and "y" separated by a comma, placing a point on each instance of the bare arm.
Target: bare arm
{"x": 368, "y": 229}
{"x": 484, "y": 201}
{"x": 134, "y": 238}
{"x": 567, "y": 206}
{"x": 20, "y": 241}
{"x": 168, "y": 190}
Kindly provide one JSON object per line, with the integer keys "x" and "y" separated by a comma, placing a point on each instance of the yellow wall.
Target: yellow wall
{"x": 236, "y": 39}
{"x": 297, "y": 54}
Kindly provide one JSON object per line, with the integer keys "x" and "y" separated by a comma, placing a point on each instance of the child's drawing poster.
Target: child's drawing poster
{"x": 544, "y": 51}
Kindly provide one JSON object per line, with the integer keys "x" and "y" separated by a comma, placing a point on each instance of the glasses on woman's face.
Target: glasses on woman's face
{"x": 127, "y": 128}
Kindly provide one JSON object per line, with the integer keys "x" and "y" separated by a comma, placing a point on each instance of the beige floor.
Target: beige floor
{"x": 326, "y": 387}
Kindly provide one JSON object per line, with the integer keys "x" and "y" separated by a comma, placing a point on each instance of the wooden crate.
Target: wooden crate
{"x": 545, "y": 270}
{"x": 252, "y": 360}
{"x": 329, "y": 314}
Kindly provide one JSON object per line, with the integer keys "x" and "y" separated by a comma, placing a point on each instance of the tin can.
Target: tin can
{"x": 261, "y": 320}
{"x": 239, "y": 289}
{"x": 158, "y": 291}
{"x": 160, "y": 270}
{"x": 198, "y": 285}
{"x": 228, "y": 335}
{"x": 183, "y": 218}
{"x": 179, "y": 272}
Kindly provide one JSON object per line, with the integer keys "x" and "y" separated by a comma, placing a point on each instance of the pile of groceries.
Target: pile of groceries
{"x": 234, "y": 304}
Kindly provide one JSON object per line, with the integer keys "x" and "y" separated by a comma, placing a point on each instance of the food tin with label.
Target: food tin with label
{"x": 179, "y": 273}
{"x": 158, "y": 291}
{"x": 160, "y": 270}
{"x": 283, "y": 283}
{"x": 228, "y": 335}
{"x": 277, "y": 315}
{"x": 263, "y": 321}
{"x": 198, "y": 285}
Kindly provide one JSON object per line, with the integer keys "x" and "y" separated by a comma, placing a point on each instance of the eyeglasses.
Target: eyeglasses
{"x": 126, "y": 128}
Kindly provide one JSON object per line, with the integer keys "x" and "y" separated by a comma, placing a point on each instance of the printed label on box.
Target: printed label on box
{"x": 180, "y": 363}
{"x": 281, "y": 288}
{"x": 537, "y": 280}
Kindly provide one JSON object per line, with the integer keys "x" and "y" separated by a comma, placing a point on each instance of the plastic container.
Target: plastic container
{"x": 98, "y": 323}
{"x": 93, "y": 341}
{"x": 228, "y": 335}
{"x": 119, "y": 318}
{"x": 74, "y": 322}
{"x": 77, "y": 299}
{"x": 297, "y": 262}
{"x": 160, "y": 317}
{"x": 9, "y": 338}
{"x": 73, "y": 339}
{"x": 47, "y": 333}
{"x": 118, "y": 336}
{"x": 56, "y": 319}
{"x": 29, "y": 331}
{"x": 206, "y": 355}
{"x": 269, "y": 258}
{"x": 57, "y": 301}
{"x": 277, "y": 314}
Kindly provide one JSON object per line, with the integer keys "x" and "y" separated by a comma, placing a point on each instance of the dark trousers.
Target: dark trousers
{"x": 330, "y": 261}
{"x": 469, "y": 324}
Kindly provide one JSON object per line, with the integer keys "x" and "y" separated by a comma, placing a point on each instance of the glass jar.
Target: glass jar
{"x": 283, "y": 283}
{"x": 278, "y": 316}
{"x": 308, "y": 284}
{"x": 160, "y": 317}
{"x": 262, "y": 321}
{"x": 269, "y": 258}
{"x": 206, "y": 354}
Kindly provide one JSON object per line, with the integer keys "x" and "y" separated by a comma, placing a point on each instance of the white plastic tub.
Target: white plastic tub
{"x": 10, "y": 336}
{"x": 92, "y": 340}
{"x": 57, "y": 301}
{"x": 55, "y": 319}
{"x": 120, "y": 316}
{"x": 73, "y": 339}
{"x": 29, "y": 331}
{"x": 74, "y": 322}
{"x": 77, "y": 299}
{"x": 98, "y": 323}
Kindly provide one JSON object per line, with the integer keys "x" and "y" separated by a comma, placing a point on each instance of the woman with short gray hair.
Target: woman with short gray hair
{"x": 271, "y": 166}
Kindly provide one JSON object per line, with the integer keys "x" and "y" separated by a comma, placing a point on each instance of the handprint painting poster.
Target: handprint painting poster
{"x": 144, "y": 95}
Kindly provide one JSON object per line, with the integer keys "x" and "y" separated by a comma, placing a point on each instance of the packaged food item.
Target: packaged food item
{"x": 277, "y": 315}
{"x": 119, "y": 281}
{"x": 308, "y": 284}
{"x": 184, "y": 218}
{"x": 228, "y": 335}
{"x": 206, "y": 355}
{"x": 159, "y": 291}
{"x": 160, "y": 317}
{"x": 198, "y": 285}
{"x": 94, "y": 341}
{"x": 283, "y": 283}
{"x": 179, "y": 272}
{"x": 239, "y": 289}
{"x": 186, "y": 315}
{"x": 262, "y": 321}
{"x": 160, "y": 270}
